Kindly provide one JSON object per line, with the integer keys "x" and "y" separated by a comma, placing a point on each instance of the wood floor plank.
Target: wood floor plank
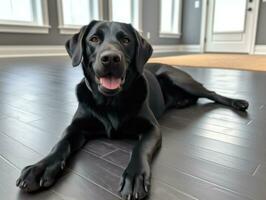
{"x": 252, "y": 153}
{"x": 23, "y": 116}
{"x": 30, "y": 136}
{"x": 16, "y": 153}
{"x": 211, "y": 156}
{"x": 228, "y": 136}
{"x": 208, "y": 152}
{"x": 123, "y": 144}
{"x": 100, "y": 148}
{"x": 72, "y": 186}
{"x": 123, "y": 159}
{"x": 51, "y": 125}
{"x": 230, "y": 179}
{"x": 193, "y": 185}
{"x": 189, "y": 124}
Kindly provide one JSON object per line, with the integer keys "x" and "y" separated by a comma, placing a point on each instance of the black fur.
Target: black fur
{"x": 131, "y": 110}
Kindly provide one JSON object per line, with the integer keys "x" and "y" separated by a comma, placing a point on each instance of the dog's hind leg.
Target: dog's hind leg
{"x": 199, "y": 90}
{"x": 175, "y": 96}
{"x": 184, "y": 84}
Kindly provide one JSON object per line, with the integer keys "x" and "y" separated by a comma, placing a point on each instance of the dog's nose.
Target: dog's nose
{"x": 108, "y": 58}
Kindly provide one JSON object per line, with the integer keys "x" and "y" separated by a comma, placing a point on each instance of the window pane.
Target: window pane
{"x": 95, "y": 9}
{"x": 166, "y": 16}
{"x": 22, "y": 10}
{"x": 80, "y": 12}
{"x": 5, "y": 10}
{"x": 233, "y": 20}
{"x": 121, "y": 11}
{"x": 176, "y": 15}
{"x": 16, "y": 10}
{"x": 126, "y": 11}
{"x": 170, "y": 16}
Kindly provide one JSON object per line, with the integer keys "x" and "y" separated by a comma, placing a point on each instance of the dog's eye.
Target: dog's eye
{"x": 95, "y": 39}
{"x": 125, "y": 40}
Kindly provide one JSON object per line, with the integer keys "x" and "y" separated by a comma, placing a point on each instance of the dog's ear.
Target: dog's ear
{"x": 143, "y": 51}
{"x": 74, "y": 45}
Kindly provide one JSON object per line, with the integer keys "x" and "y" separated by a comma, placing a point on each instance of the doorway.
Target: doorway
{"x": 230, "y": 25}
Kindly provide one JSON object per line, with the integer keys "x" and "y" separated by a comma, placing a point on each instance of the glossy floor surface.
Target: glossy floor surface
{"x": 209, "y": 152}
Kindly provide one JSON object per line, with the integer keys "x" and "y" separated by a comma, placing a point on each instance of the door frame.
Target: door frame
{"x": 204, "y": 18}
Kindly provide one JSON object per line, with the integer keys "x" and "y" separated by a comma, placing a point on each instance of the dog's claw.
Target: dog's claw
{"x": 23, "y": 184}
{"x": 146, "y": 188}
{"x": 63, "y": 164}
{"x": 41, "y": 182}
{"x": 18, "y": 182}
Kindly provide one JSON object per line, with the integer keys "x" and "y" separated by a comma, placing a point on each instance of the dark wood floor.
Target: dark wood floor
{"x": 209, "y": 152}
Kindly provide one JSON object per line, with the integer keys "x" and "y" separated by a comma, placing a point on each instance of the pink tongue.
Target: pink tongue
{"x": 110, "y": 83}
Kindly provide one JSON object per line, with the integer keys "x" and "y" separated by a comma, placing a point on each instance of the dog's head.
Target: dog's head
{"x": 112, "y": 55}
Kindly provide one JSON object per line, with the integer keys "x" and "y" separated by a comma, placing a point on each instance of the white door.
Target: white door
{"x": 229, "y": 25}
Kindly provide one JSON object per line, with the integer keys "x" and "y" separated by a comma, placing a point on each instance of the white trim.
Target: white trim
{"x": 254, "y": 28}
{"x": 72, "y": 29}
{"x": 60, "y": 14}
{"x": 27, "y": 28}
{"x": 68, "y": 30}
{"x": 204, "y": 14}
{"x": 31, "y": 51}
{"x": 176, "y": 48}
{"x": 20, "y": 27}
{"x": 59, "y": 50}
{"x": 260, "y": 49}
{"x": 45, "y": 14}
{"x": 169, "y": 35}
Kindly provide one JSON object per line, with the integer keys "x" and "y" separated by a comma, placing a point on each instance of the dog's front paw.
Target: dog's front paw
{"x": 241, "y": 105}
{"x": 135, "y": 181}
{"x": 40, "y": 175}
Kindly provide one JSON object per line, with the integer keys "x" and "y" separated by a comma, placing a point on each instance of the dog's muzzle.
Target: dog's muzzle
{"x": 111, "y": 75}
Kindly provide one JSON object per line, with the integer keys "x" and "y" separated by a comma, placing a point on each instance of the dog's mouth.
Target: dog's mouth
{"x": 110, "y": 85}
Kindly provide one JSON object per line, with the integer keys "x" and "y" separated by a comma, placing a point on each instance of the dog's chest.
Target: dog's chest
{"x": 112, "y": 121}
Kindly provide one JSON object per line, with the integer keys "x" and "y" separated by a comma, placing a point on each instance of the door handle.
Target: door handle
{"x": 249, "y": 9}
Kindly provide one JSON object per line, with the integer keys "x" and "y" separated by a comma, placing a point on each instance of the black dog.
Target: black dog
{"x": 119, "y": 98}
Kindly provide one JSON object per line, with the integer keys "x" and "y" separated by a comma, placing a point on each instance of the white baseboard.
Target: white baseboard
{"x": 31, "y": 51}
{"x": 176, "y": 48}
{"x": 59, "y": 50}
{"x": 260, "y": 50}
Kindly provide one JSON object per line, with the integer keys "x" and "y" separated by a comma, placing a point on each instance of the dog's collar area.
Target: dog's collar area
{"x": 88, "y": 85}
